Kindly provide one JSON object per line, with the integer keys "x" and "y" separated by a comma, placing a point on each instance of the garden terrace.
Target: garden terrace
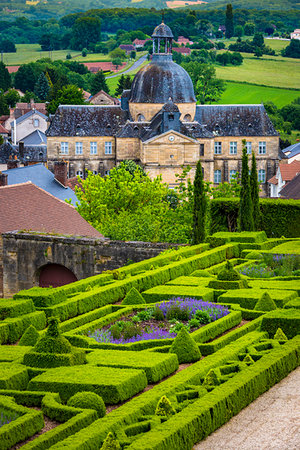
{"x": 226, "y": 315}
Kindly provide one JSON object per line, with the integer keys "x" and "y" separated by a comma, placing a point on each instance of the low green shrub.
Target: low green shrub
{"x": 201, "y": 273}
{"x": 88, "y": 400}
{"x": 13, "y": 376}
{"x": 280, "y": 336}
{"x": 294, "y": 304}
{"x": 164, "y": 408}
{"x": 113, "y": 385}
{"x": 15, "y": 308}
{"x": 13, "y": 353}
{"x": 110, "y": 443}
{"x": 247, "y": 298}
{"x": 160, "y": 293}
{"x": 185, "y": 347}
{"x": 211, "y": 379}
{"x": 133, "y": 297}
{"x": 17, "y": 325}
{"x": 286, "y": 319}
{"x": 30, "y": 337}
{"x": 265, "y": 303}
{"x": 228, "y": 273}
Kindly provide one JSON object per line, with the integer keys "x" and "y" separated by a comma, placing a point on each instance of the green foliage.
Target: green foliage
{"x": 280, "y": 336}
{"x": 228, "y": 273}
{"x": 292, "y": 50}
{"x": 4, "y": 109}
{"x": 123, "y": 83}
{"x": 85, "y": 31}
{"x": 229, "y": 22}
{"x": 185, "y": 347}
{"x": 248, "y": 360}
{"x": 30, "y": 336}
{"x": 13, "y": 376}
{"x": 110, "y": 443}
{"x": 164, "y": 408}
{"x": 286, "y": 319}
{"x": 133, "y": 297}
{"x": 246, "y": 206}
{"x": 68, "y": 95}
{"x": 88, "y": 400}
{"x": 42, "y": 87}
{"x": 12, "y": 97}
{"x": 200, "y": 207}
{"x": 211, "y": 379}
{"x": 207, "y": 87}
{"x": 265, "y": 303}
{"x": 5, "y": 79}
{"x": 99, "y": 83}
{"x": 254, "y": 187}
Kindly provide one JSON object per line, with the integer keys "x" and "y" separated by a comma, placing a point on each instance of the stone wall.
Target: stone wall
{"x": 24, "y": 254}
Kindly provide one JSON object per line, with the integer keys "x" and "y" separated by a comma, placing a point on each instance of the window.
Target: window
{"x": 36, "y": 122}
{"x": 79, "y": 173}
{"x": 233, "y": 148}
{"x": 171, "y": 116}
{"x": 201, "y": 149}
{"x": 232, "y": 174}
{"x": 64, "y": 148}
{"x": 217, "y": 176}
{"x": 95, "y": 172}
{"x": 262, "y": 148}
{"x": 187, "y": 118}
{"x": 106, "y": 172}
{"x": 218, "y": 148}
{"x": 249, "y": 148}
{"x": 262, "y": 176}
{"x": 93, "y": 148}
{"x": 108, "y": 148}
{"x": 78, "y": 148}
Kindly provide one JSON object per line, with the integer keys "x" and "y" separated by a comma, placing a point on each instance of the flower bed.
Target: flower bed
{"x": 273, "y": 265}
{"x": 162, "y": 321}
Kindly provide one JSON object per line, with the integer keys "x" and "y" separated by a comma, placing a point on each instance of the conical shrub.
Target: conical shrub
{"x": 185, "y": 347}
{"x": 248, "y": 360}
{"x": 265, "y": 303}
{"x": 133, "y": 297}
{"x": 228, "y": 273}
{"x": 30, "y": 336}
{"x": 280, "y": 336}
{"x": 211, "y": 379}
{"x": 110, "y": 443}
{"x": 164, "y": 407}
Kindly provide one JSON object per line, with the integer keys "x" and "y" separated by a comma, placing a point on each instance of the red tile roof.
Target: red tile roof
{"x": 28, "y": 207}
{"x": 12, "y": 69}
{"x": 273, "y": 180}
{"x": 289, "y": 171}
{"x": 182, "y": 50}
{"x": 3, "y": 130}
{"x": 105, "y": 66}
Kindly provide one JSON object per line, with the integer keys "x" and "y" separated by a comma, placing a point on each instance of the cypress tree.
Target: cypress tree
{"x": 229, "y": 21}
{"x": 254, "y": 187}
{"x": 200, "y": 207}
{"x": 120, "y": 86}
{"x": 99, "y": 83}
{"x": 5, "y": 78}
{"x": 127, "y": 82}
{"x": 42, "y": 87}
{"x": 245, "y": 220}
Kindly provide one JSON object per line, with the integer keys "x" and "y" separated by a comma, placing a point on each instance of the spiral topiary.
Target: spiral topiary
{"x": 88, "y": 400}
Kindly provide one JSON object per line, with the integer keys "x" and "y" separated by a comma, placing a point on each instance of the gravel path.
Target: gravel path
{"x": 271, "y": 422}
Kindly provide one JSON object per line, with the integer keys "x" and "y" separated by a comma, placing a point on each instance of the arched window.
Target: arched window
{"x": 79, "y": 173}
{"x": 140, "y": 118}
{"x": 187, "y": 118}
{"x": 262, "y": 176}
{"x": 217, "y": 177}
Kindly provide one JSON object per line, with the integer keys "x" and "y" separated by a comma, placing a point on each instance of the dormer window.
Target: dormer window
{"x": 140, "y": 118}
{"x": 171, "y": 116}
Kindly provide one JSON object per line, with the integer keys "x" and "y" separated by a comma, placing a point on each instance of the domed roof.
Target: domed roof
{"x": 162, "y": 30}
{"x": 160, "y": 80}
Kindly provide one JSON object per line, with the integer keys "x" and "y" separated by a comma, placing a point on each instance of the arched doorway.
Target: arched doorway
{"x": 55, "y": 275}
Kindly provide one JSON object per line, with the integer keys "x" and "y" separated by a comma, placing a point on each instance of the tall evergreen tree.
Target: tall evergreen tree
{"x": 5, "y": 79}
{"x": 42, "y": 87}
{"x": 4, "y": 110}
{"x": 127, "y": 82}
{"x": 120, "y": 86}
{"x": 229, "y": 21}
{"x": 99, "y": 83}
{"x": 254, "y": 187}
{"x": 245, "y": 220}
{"x": 200, "y": 207}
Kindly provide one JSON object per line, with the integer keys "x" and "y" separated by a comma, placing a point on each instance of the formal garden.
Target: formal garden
{"x": 155, "y": 355}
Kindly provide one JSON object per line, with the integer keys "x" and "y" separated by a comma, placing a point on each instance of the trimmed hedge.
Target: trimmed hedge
{"x": 295, "y": 303}
{"x": 13, "y": 376}
{"x": 30, "y": 337}
{"x": 13, "y": 353}
{"x": 210, "y": 412}
{"x": 88, "y": 400}
{"x": 247, "y": 298}
{"x": 156, "y": 366}
{"x": 286, "y": 212}
{"x": 185, "y": 348}
{"x": 113, "y": 385}
{"x": 160, "y": 293}
{"x": 287, "y": 319}
{"x": 15, "y": 308}
{"x": 26, "y": 425}
{"x": 284, "y": 285}
{"x": 12, "y": 328}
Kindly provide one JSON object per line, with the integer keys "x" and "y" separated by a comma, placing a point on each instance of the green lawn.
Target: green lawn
{"x": 246, "y": 93}
{"x": 276, "y": 72}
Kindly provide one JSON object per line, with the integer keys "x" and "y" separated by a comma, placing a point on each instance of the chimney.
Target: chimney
{"x": 13, "y": 163}
{"x": 61, "y": 172}
{"x": 21, "y": 149}
{"x": 3, "y": 179}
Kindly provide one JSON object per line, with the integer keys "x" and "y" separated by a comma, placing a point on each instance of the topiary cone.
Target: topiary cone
{"x": 30, "y": 336}
{"x": 110, "y": 443}
{"x": 265, "y": 303}
{"x": 185, "y": 347}
{"x": 280, "y": 336}
{"x": 211, "y": 379}
{"x": 164, "y": 407}
{"x": 133, "y": 297}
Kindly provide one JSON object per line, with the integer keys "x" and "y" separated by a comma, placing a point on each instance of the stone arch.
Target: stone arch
{"x": 140, "y": 118}
{"x": 55, "y": 275}
{"x": 187, "y": 118}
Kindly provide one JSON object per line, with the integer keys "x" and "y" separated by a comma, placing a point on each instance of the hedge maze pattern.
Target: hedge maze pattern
{"x": 151, "y": 400}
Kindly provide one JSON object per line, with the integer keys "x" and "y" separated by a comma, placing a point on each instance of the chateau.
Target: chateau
{"x": 159, "y": 125}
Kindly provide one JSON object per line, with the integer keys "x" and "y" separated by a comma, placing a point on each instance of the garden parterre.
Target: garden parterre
{"x": 244, "y": 340}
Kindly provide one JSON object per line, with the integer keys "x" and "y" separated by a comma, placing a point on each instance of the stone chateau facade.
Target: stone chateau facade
{"x": 159, "y": 125}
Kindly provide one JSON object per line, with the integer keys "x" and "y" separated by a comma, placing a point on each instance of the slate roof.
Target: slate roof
{"x": 37, "y": 137}
{"x": 292, "y": 189}
{"x": 162, "y": 30}
{"x": 292, "y": 150}
{"x": 27, "y": 115}
{"x": 87, "y": 120}
{"x": 235, "y": 120}
{"x": 40, "y": 176}
{"x": 36, "y": 210}
{"x": 34, "y": 153}
{"x": 5, "y": 151}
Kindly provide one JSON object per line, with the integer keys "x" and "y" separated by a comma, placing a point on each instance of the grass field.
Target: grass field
{"x": 27, "y": 53}
{"x": 276, "y": 72}
{"x": 246, "y": 93}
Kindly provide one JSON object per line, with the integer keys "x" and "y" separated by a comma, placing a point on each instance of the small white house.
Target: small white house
{"x": 285, "y": 173}
{"x": 28, "y": 124}
{"x": 295, "y": 34}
